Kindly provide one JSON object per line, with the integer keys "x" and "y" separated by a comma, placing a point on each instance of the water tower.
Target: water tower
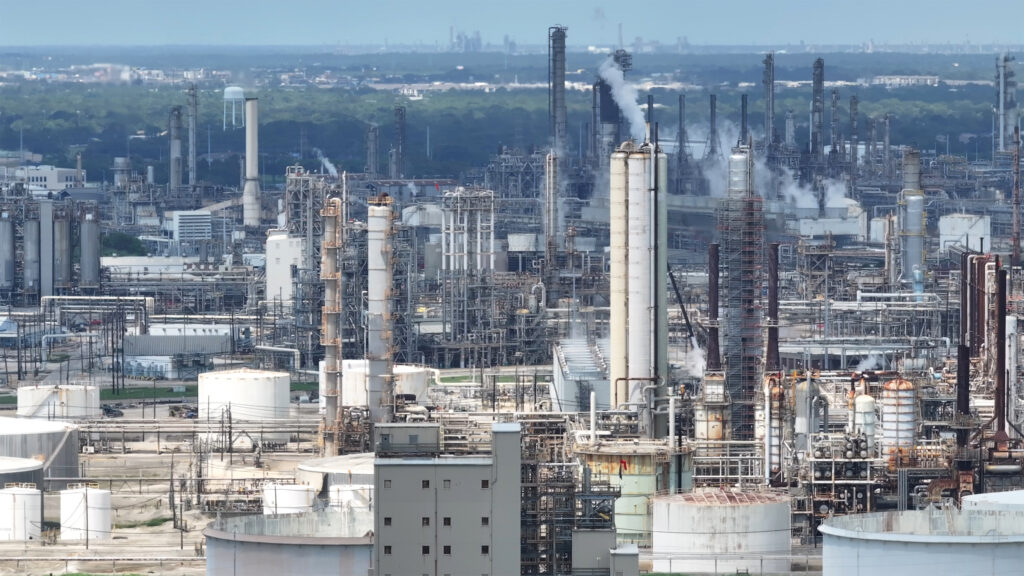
{"x": 235, "y": 97}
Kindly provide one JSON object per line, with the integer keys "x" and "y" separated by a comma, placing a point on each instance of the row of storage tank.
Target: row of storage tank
{"x": 89, "y": 250}
{"x": 85, "y": 513}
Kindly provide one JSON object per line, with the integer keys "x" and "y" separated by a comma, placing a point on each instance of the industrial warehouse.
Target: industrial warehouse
{"x": 786, "y": 345}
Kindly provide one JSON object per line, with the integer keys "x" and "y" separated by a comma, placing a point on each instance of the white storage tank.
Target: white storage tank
{"x": 253, "y": 395}
{"x": 721, "y": 532}
{"x": 287, "y": 498}
{"x": 899, "y": 418}
{"x": 53, "y": 442}
{"x": 353, "y": 383}
{"x": 924, "y": 542}
{"x": 85, "y": 509}
{"x": 71, "y": 402}
{"x": 410, "y": 379}
{"x": 351, "y": 496}
{"x": 20, "y": 471}
{"x": 20, "y": 513}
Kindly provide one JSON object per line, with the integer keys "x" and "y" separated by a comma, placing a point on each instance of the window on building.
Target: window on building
{"x": 426, "y": 520}
{"x": 414, "y": 439}
{"x": 387, "y": 483}
{"x": 485, "y": 521}
{"x": 485, "y": 483}
{"x": 426, "y": 549}
{"x": 447, "y": 520}
{"x": 387, "y": 520}
{"x": 426, "y": 484}
{"x": 447, "y": 550}
{"x": 485, "y": 549}
{"x": 387, "y": 550}
{"x": 447, "y": 484}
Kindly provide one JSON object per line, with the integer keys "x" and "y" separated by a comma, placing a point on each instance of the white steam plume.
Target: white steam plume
{"x": 325, "y": 163}
{"x": 625, "y": 95}
{"x": 696, "y": 361}
{"x": 870, "y": 363}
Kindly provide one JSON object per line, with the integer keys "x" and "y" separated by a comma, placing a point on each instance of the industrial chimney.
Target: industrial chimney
{"x": 251, "y": 192}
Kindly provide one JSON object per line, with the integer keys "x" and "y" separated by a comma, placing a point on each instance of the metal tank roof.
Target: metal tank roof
{"x": 27, "y": 426}
{"x": 10, "y": 465}
{"x": 725, "y": 498}
{"x": 234, "y": 93}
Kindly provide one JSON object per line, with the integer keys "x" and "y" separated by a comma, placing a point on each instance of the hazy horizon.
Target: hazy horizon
{"x": 593, "y": 22}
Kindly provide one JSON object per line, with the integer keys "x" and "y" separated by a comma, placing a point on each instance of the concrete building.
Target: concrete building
{"x": 50, "y": 178}
{"x": 284, "y": 256}
{"x": 192, "y": 225}
{"x": 445, "y": 515}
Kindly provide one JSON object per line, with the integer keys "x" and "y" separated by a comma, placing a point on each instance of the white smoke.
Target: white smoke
{"x": 626, "y": 96}
{"x": 870, "y": 363}
{"x": 325, "y": 163}
{"x": 696, "y": 361}
{"x": 413, "y": 190}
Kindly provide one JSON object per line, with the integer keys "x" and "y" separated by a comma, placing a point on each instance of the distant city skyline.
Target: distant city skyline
{"x": 592, "y": 22}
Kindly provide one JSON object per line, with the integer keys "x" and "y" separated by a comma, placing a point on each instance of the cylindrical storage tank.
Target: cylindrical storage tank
{"x": 351, "y": 496}
{"x": 288, "y": 498}
{"x": 74, "y": 402}
{"x": 411, "y": 379}
{"x": 6, "y": 251}
{"x": 20, "y": 513}
{"x": 31, "y": 251}
{"x": 89, "y": 229}
{"x": 61, "y": 252}
{"x": 85, "y": 514}
{"x": 913, "y": 234}
{"x": 51, "y": 441}
{"x": 923, "y": 542}
{"x": 252, "y": 395}
{"x": 353, "y": 383}
{"x": 864, "y": 418}
{"x": 122, "y": 171}
{"x": 719, "y": 532}
{"x": 20, "y": 471}
{"x": 898, "y": 417}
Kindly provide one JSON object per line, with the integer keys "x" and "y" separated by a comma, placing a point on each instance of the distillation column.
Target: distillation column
{"x": 378, "y": 310}
{"x": 331, "y": 332}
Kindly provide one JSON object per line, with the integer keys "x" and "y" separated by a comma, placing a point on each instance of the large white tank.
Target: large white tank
{"x": 20, "y": 513}
{"x": 73, "y": 402}
{"x": 20, "y": 471}
{"x": 287, "y": 498}
{"x": 351, "y": 496}
{"x": 721, "y": 532}
{"x": 898, "y": 417}
{"x": 85, "y": 510}
{"x": 410, "y": 379}
{"x": 353, "y": 383}
{"x": 253, "y": 395}
{"x": 864, "y": 418}
{"x": 55, "y": 443}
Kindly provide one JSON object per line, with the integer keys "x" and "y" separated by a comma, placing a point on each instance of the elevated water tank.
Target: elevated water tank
{"x": 722, "y": 532}
{"x": 83, "y": 510}
{"x": 287, "y": 498}
{"x": 252, "y": 395}
{"x": 72, "y": 402}
{"x": 20, "y": 513}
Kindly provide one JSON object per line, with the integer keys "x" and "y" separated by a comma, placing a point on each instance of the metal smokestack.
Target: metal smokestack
{"x": 769, "y": 100}
{"x": 963, "y": 389}
{"x": 713, "y": 132}
{"x": 818, "y": 111}
{"x": 853, "y": 143}
{"x": 556, "y": 87}
{"x": 251, "y": 192}
{"x": 175, "y": 129}
{"x": 618, "y": 320}
{"x": 743, "y": 119}
{"x": 772, "y": 363}
{"x": 714, "y": 363}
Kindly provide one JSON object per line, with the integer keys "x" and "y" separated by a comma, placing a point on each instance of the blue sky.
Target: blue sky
{"x": 341, "y": 22}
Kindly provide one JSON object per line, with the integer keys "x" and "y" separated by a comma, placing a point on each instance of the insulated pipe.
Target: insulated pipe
{"x": 1000, "y": 406}
{"x": 963, "y": 389}
{"x": 714, "y": 363}
{"x": 593, "y": 418}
